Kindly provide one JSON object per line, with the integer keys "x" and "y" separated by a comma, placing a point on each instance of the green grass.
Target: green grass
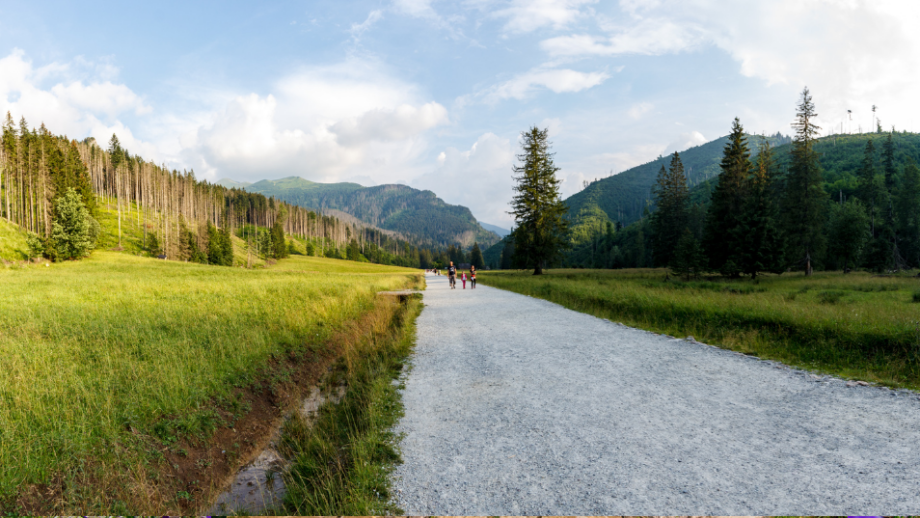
{"x": 13, "y": 246}
{"x": 855, "y": 325}
{"x": 96, "y": 355}
{"x": 343, "y": 461}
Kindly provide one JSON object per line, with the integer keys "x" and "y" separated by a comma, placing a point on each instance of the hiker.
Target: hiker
{"x": 452, "y": 275}
{"x": 463, "y": 278}
{"x": 472, "y": 277}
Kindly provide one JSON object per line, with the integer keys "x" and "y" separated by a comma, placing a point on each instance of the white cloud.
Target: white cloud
{"x": 529, "y": 15}
{"x": 417, "y": 8}
{"x": 850, "y": 53}
{"x": 645, "y": 37}
{"x": 387, "y": 124}
{"x": 478, "y": 178}
{"x": 324, "y": 123}
{"x": 558, "y": 80}
{"x": 639, "y": 110}
{"x": 57, "y": 95}
{"x": 358, "y": 29}
{"x": 684, "y": 141}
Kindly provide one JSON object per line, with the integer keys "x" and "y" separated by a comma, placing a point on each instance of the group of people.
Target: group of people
{"x": 452, "y": 276}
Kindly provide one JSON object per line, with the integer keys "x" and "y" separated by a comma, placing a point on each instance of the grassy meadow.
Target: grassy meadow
{"x": 856, "y": 325}
{"x": 108, "y": 360}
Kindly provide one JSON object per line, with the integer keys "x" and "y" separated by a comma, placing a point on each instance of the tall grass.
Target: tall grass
{"x": 94, "y": 354}
{"x": 343, "y": 461}
{"x": 854, "y": 325}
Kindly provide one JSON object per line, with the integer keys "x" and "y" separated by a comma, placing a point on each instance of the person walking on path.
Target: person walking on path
{"x": 472, "y": 277}
{"x": 452, "y": 275}
{"x": 463, "y": 279}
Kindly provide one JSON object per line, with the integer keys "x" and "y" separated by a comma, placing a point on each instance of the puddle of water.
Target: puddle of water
{"x": 259, "y": 486}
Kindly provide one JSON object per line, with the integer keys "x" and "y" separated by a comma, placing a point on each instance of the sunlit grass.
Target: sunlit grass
{"x": 94, "y": 353}
{"x": 854, "y": 325}
{"x": 13, "y": 246}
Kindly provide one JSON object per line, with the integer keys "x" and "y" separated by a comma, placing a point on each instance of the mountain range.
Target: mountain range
{"x": 418, "y": 215}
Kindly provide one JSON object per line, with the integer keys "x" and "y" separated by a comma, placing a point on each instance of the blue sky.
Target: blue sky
{"x": 435, "y": 93}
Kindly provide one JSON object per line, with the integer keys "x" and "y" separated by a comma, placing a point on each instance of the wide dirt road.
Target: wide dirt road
{"x": 517, "y": 406}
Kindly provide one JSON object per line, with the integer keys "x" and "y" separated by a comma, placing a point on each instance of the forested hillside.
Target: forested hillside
{"x": 623, "y": 198}
{"x": 59, "y": 190}
{"x": 418, "y": 215}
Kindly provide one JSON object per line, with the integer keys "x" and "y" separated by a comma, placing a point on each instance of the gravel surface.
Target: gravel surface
{"x": 517, "y": 406}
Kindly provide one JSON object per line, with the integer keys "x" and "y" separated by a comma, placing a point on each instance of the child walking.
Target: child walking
{"x": 463, "y": 279}
{"x": 472, "y": 277}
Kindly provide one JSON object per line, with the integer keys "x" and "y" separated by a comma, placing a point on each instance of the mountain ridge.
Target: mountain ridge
{"x": 394, "y": 207}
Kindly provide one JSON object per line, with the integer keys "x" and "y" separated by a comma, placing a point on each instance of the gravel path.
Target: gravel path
{"x": 517, "y": 406}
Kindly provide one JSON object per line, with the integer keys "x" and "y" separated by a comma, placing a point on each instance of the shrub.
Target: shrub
{"x": 916, "y": 296}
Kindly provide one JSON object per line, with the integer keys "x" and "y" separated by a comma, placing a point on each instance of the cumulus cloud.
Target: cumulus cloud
{"x": 388, "y": 124}
{"x": 323, "y": 123}
{"x": 77, "y": 98}
{"x": 478, "y": 178}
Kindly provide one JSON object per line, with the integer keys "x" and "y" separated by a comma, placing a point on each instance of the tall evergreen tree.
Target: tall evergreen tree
{"x": 476, "y": 258}
{"x": 762, "y": 246}
{"x": 670, "y": 217}
{"x": 888, "y": 162}
{"x": 805, "y": 203}
{"x": 688, "y": 257}
{"x": 867, "y": 188}
{"x": 724, "y": 235}
{"x": 539, "y": 212}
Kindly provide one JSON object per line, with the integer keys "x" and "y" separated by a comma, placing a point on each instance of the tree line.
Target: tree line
{"x": 48, "y": 180}
{"x": 775, "y": 213}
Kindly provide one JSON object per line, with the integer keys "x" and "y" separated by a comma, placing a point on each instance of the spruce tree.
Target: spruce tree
{"x": 762, "y": 247}
{"x": 805, "y": 203}
{"x": 539, "y": 212}
{"x": 724, "y": 234}
{"x": 670, "y": 217}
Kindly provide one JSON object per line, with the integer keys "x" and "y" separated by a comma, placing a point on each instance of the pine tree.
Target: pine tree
{"x": 804, "y": 203}
{"x": 762, "y": 248}
{"x": 724, "y": 234}
{"x": 670, "y": 217}
{"x": 541, "y": 229}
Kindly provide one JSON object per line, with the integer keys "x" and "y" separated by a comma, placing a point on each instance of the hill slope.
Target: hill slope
{"x": 410, "y": 212}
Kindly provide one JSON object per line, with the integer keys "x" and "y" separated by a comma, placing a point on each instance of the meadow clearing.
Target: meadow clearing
{"x": 116, "y": 367}
{"x": 856, "y": 325}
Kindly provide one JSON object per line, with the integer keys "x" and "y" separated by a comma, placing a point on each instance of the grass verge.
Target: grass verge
{"x": 855, "y": 326}
{"x": 341, "y": 463}
{"x": 116, "y": 367}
